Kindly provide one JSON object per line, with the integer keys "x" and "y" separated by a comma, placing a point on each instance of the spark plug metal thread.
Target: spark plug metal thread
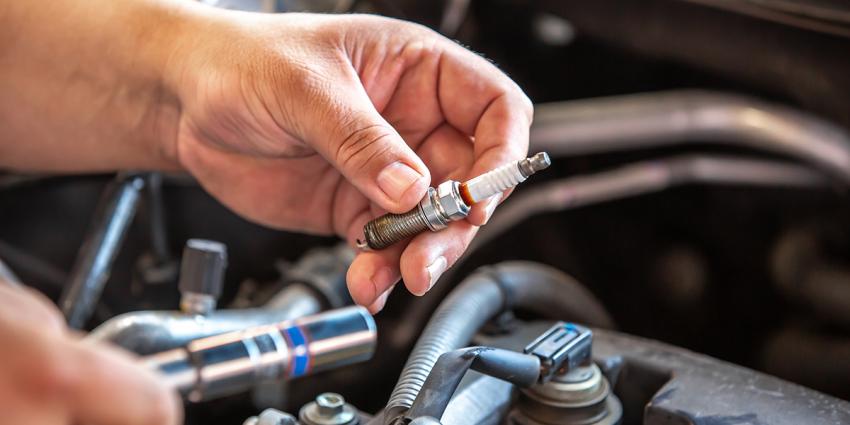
{"x": 450, "y": 201}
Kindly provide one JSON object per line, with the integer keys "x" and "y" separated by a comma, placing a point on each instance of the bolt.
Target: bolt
{"x": 330, "y": 404}
{"x": 451, "y": 201}
{"x": 328, "y": 409}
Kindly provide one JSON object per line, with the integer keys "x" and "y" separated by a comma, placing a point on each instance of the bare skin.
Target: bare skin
{"x": 301, "y": 122}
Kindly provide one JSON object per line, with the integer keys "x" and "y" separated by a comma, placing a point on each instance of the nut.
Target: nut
{"x": 449, "y": 201}
{"x": 328, "y": 409}
{"x": 330, "y": 404}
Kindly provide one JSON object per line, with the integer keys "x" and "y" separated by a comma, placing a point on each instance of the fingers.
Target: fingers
{"x": 56, "y": 378}
{"x": 140, "y": 399}
{"x": 348, "y": 131}
{"x": 429, "y": 255}
{"x": 373, "y": 273}
{"x": 480, "y": 101}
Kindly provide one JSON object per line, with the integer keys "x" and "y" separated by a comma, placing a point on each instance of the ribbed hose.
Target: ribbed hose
{"x": 388, "y": 229}
{"x": 487, "y": 292}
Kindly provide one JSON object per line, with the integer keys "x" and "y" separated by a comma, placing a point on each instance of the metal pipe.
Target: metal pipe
{"x": 641, "y": 178}
{"x": 314, "y": 283}
{"x": 7, "y": 276}
{"x": 147, "y": 332}
{"x": 680, "y": 117}
{"x": 97, "y": 254}
{"x": 226, "y": 364}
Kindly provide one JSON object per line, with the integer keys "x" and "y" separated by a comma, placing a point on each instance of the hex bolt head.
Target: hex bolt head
{"x": 328, "y": 409}
{"x": 330, "y": 404}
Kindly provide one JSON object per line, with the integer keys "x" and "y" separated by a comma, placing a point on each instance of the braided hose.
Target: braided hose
{"x": 487, "y": 292}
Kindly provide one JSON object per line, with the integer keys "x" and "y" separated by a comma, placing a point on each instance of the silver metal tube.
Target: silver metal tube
{"x": 316, "y": 282}
{"x": 679, "y": 117}
{"x": 7, "y": 276}
{"x": 147, "y": 332}
{"x": 641, "y": 178}
{"x": 94, "y": 261}
{"x": 229, "y": 363}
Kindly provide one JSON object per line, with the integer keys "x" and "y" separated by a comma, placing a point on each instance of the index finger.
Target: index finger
{"x": 482, "y": 102}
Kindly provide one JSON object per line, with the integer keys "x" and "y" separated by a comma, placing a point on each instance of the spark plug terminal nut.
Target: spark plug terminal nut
{"x": 450, "y": 201}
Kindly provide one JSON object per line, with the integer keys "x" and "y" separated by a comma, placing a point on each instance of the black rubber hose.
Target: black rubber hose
{"x": 490, "y": 290}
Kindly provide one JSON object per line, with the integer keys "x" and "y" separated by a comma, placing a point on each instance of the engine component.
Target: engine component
{"x": 328, "y": 409}
{"x": 642, "y": 178}
{"x": 316, "y": 281}
{"x": 580, "y": 396}
{"x": 201, "y": 275}
{"x": 672, "y": 118}
{"x": 475, "y": 301}
{"x": 228, "y": 363}
{"x": 7, "y": 276}
{"x": 560, "y": 349}
{"x": 94, "y": 260}
{"x": 271, "y": 417}
{"x": 450, "y": 201}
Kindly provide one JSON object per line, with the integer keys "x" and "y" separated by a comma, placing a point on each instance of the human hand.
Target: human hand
{"x": 50, "y": 377}
{"x": 321, "y": 123}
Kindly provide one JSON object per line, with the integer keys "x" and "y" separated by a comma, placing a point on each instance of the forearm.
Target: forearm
{"x": 82, "y": 84}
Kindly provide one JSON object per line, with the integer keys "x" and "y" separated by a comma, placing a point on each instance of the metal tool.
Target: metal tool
{"x": 229, "y": 363}
{"x": 450, "y": 201}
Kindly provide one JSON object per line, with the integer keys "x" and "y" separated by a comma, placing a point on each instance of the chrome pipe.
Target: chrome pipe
{"x": 226, "y": 364}
{"x": 650, "y": 120}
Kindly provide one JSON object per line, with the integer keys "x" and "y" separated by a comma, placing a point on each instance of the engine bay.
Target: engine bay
{"x": 684, "y": 260}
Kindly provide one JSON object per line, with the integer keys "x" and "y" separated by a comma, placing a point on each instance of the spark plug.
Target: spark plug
{"x": 450, "y": 201}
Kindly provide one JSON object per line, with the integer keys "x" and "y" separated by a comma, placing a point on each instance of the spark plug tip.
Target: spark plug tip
{"x": 538, "y": 162}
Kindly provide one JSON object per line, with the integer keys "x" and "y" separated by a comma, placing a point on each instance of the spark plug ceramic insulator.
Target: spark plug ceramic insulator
{"x": 450, "y": 201}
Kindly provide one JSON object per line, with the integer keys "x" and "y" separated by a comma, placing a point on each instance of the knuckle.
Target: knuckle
{"x": 361, "y": 145}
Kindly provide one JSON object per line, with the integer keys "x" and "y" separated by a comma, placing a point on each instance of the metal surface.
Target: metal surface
{"x": 450, "y": 201}
{"x": 7, "y": 276}
{"x": 147, "y": 332}
{"x": 272, "y": 417}
{"x": 97, "y": 254}
{"x": 229, "y": 363}
{"x": 201, "y": 275}
{"x": 328, "y": 409}
{"x": 659, "y": 384}
{"x": 323, "y": 269}
{"x": 642, "y": 178}
{"x": 581, "y": 396}
{"x": 315, "y": 282}
{"x": 679, "y": 117}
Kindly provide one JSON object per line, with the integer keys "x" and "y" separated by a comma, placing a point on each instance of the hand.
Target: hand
{"x": 49, "y": 377}
{"x": 321, "y": 123}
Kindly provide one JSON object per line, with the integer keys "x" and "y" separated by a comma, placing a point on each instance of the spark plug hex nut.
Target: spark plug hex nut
{"x": 450, "y": 202}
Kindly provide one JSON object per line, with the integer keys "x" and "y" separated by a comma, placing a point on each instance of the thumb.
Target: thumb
{"x": 368, "y": 151}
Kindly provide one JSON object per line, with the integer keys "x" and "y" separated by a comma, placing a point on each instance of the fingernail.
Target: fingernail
{"x": 435, "y": 270}
{"x": 379, "y": 304}
{"x": 491, "y": 207}
{"x": 397, "y": 178}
